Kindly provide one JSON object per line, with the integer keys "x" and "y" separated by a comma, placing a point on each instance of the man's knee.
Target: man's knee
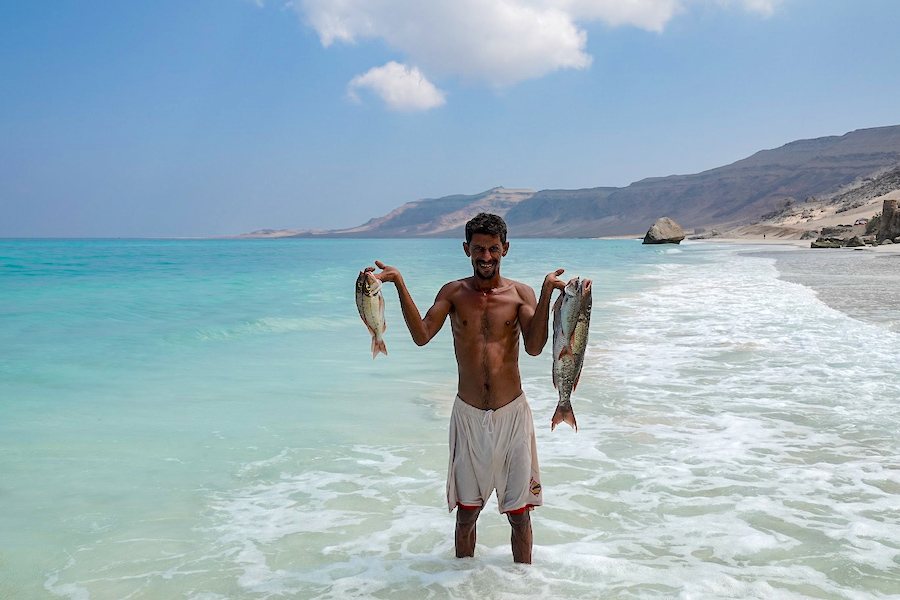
{"x": 466, "y": 515}
{"x": 519, "y": 520}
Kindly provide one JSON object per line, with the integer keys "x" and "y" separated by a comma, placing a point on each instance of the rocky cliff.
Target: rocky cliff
{"x": 735, "y": 194}
{"x": 729, "y": 195}
{"x": 441, "y": 217}
{"x": 889, "y": 222}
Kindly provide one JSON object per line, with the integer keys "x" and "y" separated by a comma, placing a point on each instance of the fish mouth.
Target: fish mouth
{"x": 587, "y": 285}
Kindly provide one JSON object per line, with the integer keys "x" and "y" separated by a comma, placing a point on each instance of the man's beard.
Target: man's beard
{"x": 480, "y": 276}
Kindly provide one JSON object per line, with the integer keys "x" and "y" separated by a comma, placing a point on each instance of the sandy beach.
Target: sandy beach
{"x": 790, "y": 227}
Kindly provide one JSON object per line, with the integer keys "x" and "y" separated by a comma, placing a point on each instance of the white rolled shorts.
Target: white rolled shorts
{"x": 493, "y": 450}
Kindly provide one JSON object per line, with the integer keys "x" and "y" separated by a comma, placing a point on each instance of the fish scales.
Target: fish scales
{"x": 571, "y": 324}
{"x": 370, "y": 304}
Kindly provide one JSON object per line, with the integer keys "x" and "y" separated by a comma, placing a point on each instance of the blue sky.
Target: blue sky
{"x": 199, "y": 118}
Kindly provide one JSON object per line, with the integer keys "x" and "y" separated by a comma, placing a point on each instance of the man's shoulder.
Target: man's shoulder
{"x": 452, "y": 287}
{"x": 521, "y": 287}
{"x": 518, "y": 284}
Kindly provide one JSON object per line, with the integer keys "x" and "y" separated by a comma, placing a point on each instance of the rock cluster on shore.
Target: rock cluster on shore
{"x": 856, "y": 241}
{"x": 884, "y": 230}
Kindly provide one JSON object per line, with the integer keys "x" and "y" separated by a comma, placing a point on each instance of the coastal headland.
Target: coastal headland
{"x": 791, "y": 193}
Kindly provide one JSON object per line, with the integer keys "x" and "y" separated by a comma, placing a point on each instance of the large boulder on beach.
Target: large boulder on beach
{"x": 855, "y": 242}
{"x": 889, "y": 222}
{"x": 664, "y": 231}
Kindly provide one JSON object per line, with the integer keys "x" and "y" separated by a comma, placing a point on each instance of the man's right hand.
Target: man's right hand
{"x": 388, "y": 273}
{"x": 422, "y": 330}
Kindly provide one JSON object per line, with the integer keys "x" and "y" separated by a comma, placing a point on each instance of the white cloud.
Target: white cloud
{"x": 498, "y": 42}
{"x": 652, "y": 15}
{"x": 764, "y": 7}
{"x": 493, "y": 42}
{"x": 401, "y": 87}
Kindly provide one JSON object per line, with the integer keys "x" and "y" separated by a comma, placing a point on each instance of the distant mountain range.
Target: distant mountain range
{"x": 732, "y": 195}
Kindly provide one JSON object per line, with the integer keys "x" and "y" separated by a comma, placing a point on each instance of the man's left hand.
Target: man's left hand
{"x": 553, "y": 281}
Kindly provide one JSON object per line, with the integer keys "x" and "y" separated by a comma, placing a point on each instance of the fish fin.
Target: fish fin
{"x": 378, "y": 347}
{"x": 564, "y": 413}
{"x": 566, "y": 351}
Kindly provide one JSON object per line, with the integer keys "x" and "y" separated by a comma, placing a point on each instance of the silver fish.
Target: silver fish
{"x": 370, "y": 303}
{"x": 571, "y": 322}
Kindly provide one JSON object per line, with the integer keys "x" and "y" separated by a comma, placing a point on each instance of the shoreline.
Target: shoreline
{"x": 862, "y": 283}
{"x": 798, "y": 244}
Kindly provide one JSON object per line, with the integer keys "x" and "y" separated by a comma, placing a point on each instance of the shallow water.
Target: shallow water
{"x": 859, "y": 282}
{"x": 203, "y": 420}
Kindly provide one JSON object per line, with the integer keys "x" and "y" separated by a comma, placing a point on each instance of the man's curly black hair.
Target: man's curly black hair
{"x": 488, "y": 224}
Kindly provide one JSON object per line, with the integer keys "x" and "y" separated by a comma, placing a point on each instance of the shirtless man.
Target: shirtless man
{"x": 491, "y": 428}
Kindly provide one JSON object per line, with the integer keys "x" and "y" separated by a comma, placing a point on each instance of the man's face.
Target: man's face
{"x": 485, "y": 251}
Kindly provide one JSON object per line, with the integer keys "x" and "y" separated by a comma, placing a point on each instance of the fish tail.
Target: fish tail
{"x": 564, "y": 413}
{"x": 378, "y": 346}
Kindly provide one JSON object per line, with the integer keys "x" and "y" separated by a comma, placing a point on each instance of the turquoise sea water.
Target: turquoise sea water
{"x": 203, "y": 420}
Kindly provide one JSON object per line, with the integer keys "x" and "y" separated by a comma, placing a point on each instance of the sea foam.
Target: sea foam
{"x": 224, "y": 433}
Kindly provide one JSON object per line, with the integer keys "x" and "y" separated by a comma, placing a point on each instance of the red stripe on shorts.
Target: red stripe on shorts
{"x": 519, "y": 511}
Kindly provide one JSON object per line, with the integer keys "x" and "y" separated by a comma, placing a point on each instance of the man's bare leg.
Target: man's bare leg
{"x": 521, "y": 536}
{"x": 465, "y": 530}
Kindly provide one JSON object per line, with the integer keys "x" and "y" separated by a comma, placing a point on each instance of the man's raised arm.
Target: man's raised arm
{"x": 422, "y": 330}
{"x": 535, "y": 319}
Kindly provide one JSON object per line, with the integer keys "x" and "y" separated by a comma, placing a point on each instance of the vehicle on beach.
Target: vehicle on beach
{"x": 861, "y": 222}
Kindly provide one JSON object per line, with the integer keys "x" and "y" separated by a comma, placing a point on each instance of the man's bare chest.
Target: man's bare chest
{"x": 486, "y": 318}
